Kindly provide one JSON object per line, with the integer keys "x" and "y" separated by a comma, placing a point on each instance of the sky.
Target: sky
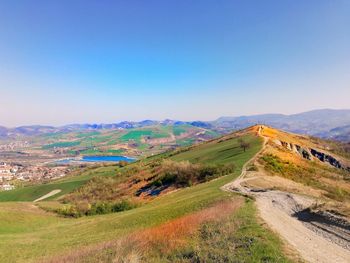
{"x": 106, "y": 61}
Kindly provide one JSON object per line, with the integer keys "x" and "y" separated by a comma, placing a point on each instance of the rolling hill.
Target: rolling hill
{"x": 186, "y": 207}
{"x": 43, "y": 235}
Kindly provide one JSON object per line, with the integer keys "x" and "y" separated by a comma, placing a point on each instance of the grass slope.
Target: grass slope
{"x": 37, "y": 234}
{"x": 217, "y": 152}
{"x": 237, "y": 238}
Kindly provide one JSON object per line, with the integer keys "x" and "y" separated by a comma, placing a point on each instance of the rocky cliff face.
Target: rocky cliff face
{"x": 310, "y": 153}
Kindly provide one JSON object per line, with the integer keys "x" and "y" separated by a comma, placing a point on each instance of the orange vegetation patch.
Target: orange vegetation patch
{"x": 268, "y": 132}
{"x": 160, "y": 239}
{"x": 174, "y": 233}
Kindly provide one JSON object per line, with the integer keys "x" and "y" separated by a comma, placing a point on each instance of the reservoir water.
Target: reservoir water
{"x": 97, "y": 159}
{"x": 106, "y": 159}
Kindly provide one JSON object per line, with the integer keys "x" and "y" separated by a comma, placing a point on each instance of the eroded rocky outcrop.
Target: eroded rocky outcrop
{"x": 326, "y": 158}
{"x": 287, "y": 145}
{"x": 308, "y": 153}
{"x": 303, "y": 152}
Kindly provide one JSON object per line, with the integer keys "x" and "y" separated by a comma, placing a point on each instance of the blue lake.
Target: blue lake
{"x": 97, "y": 159}
{"x": 106, "y": 159}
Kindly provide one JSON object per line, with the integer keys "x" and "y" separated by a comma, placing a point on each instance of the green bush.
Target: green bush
{"x": 70, "y": 211}
{"x": 122, "y": 206}
{"x": 274, "y": 163}
{"x": 100, "y": 208}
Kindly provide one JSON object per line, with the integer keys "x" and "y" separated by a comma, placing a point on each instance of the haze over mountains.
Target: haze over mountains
{"x": 324, "y": 123}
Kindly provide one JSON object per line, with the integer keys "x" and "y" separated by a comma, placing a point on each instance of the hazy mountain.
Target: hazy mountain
{"x": 34, "y": 130}
{"x": 3, "y": 132}
{"x": 339, "y": 133}
{"x": 326, "y": 123}
{"x": 317, "y": 122}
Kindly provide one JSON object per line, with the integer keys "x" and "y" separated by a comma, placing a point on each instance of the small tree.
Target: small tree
{"x": 243, "y": 144}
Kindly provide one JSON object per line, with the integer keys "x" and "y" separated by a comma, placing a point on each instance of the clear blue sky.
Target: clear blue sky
{"x": 106, "y": 61}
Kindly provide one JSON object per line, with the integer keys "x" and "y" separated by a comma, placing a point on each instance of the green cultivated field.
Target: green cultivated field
{"x": 87, "y": 134}
{"x": 136, "y": 135}
{"x": 61, "y": 145}
{"x": 177, "y": 130}
{"x": 28, "y": 234}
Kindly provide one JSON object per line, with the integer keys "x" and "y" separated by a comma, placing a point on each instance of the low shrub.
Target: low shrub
{"x": 273, "y": 163}
{"x": 86, "y": 209}
{"x": 69, "y": 211}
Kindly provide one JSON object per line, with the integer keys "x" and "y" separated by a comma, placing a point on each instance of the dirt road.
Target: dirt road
{"x": 52, "y": 193}
{"x": 278, "y": 210}
{"x": 317, "y": 237}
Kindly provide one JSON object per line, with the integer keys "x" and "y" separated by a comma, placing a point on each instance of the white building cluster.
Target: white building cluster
{"x": 10, "y": 173}
{"x": 7, "y": 173}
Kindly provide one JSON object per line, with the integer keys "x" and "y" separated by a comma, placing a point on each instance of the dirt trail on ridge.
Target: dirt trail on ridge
{"x": 52, "y": 193}
{"x": 321, "y": 238}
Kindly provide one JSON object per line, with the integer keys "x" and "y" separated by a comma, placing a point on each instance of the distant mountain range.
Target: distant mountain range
{"x": 325, "y": 123}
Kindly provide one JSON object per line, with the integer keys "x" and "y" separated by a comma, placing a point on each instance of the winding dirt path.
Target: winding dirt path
{"x": 52, "y": 193}
{"x": 316, "y": 240}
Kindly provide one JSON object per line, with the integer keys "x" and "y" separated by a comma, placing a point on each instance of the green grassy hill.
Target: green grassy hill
{"x": 27, "y": 233}
{"x": 217, "y": 152}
